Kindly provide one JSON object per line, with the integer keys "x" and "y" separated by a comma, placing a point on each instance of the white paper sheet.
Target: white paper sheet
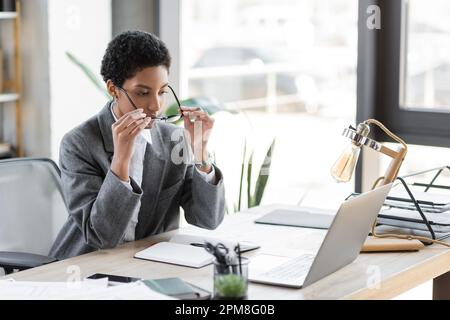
{"x": 441, "y": 202}
{"x": 83, "y": 290}
{"x": 130, "y": 291}
{"x": 30, "y": 290}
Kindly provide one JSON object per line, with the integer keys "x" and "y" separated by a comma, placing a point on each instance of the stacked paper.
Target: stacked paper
{"x": 429, "y": 202}
{"x": 81, "y": 290}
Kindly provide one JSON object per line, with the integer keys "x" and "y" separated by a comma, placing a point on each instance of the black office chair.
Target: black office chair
{"x": 32, "y": 211}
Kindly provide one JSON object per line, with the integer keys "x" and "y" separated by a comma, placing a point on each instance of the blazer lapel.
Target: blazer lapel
{"x": 105, "y": 120}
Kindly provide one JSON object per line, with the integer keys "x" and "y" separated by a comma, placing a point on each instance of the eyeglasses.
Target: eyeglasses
{"x": 170, "y": 119}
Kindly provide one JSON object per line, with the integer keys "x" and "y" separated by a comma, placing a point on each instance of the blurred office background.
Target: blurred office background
{"x": 298, "y": 71}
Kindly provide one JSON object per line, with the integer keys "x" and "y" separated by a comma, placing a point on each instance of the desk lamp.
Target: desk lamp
{"x": 343, "y": 168}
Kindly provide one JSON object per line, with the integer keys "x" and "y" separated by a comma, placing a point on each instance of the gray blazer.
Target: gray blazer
{"x": 100, "y": 206}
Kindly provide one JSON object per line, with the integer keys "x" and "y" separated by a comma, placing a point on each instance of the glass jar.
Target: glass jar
{"x": 231, "y": 280}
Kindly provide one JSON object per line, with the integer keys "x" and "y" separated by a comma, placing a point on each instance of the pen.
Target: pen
{"x": 197, "y": 244}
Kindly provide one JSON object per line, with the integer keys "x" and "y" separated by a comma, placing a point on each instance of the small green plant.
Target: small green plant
{"x": 230, "y": 286}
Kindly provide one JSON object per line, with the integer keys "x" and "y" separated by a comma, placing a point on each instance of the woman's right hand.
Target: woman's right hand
{"x": 125, "y": 131}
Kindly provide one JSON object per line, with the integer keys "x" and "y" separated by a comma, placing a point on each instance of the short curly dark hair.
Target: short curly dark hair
{"x": 130, "y": 52}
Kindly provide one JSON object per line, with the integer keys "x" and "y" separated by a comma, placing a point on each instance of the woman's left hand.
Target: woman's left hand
{"x": 199, "y": 129}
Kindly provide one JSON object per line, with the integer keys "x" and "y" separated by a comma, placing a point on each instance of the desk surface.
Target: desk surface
{"x": 370, "y": 276}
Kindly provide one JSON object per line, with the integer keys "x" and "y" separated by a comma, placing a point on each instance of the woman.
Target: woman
{"x": 124, "y": 171}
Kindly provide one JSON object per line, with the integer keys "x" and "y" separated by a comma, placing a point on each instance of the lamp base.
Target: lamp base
{"x": 374, "y": 244}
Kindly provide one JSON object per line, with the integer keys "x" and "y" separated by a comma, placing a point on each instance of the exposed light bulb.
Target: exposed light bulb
{"x": 342, "y": 169}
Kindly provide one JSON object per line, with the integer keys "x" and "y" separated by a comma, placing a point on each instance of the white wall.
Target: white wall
{"x": 82, "y": 27}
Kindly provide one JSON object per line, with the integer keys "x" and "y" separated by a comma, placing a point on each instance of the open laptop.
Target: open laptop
{"x": 341, "y": 245}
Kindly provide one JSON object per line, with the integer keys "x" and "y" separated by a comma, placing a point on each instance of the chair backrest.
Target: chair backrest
{"x": 32, "y": 207}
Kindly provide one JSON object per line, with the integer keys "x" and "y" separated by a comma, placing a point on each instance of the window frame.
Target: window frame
{"x": 415, "y": 125}
{"x": 379, "y": 81}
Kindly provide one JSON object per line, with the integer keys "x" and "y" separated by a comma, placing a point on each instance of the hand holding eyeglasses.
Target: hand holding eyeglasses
{"x": 124, "y": 133}
{"x": 198, "y": 124}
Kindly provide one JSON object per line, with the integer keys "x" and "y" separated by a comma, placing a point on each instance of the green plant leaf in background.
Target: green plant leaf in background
{"x": 88, "y": 73}
{"x": 263, "y": 176}
{"x": 255, "y": 198}
{"x": 249, "y": 181}
{"x": 210, "y": 105}
{"x": 241, "y": 179}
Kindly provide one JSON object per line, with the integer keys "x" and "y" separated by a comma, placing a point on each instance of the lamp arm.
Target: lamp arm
{"x": 387, "y": 131}
{"x": 389, "y": 152}
{"x": 397, "y": 156}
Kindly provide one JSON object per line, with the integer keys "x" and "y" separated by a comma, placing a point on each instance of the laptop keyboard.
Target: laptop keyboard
{"x": 295, "y": 268}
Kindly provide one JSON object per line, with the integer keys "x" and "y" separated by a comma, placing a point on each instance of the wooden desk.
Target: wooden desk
{"x": 370, "y": 276}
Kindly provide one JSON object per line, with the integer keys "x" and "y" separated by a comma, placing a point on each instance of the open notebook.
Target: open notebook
{"x": 187, "y": 250}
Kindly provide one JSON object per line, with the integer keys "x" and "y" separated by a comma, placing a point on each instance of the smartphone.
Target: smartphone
{"x": 113, "y": 279}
